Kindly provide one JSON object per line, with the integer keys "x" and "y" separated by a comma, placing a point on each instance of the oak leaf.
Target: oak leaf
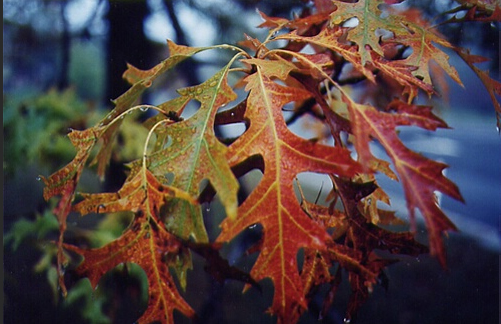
{"x": 191, "y": 152}
{"x": 423, "y": 41}
{"x": 273, "y": 203}
{"x": 370, "y": 22}
{"x": 146, "y": 242}
{"x": 64, "y": 183}
{"x": 420, "y": 176}
{"x": 331, "y": 38}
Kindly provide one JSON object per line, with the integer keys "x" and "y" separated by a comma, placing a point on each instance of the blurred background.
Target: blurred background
{"x": 62, "y": 64}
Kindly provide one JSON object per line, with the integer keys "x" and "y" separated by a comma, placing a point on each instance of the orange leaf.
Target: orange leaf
{"x": 148, "y": 245}
{"x": 64, "y": 183}
{"x": 146, "y": 242}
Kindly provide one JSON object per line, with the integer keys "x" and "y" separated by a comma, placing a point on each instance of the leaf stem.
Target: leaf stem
{"x": 145, "y": 149}
{"x": 128, "y": 111}
{"x": 231, "y": 47}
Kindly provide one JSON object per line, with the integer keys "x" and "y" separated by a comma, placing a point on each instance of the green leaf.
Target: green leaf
{"x": 192, "y": 153}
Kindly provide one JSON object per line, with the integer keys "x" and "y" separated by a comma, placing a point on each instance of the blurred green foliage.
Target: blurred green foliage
{"x": 33, "y": 125}
{"x": 38, "y": 235}
{"x": 24, "y": 229}
{"x": 81, "y": 296}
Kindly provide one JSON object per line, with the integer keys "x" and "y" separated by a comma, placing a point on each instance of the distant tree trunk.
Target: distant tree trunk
{"x": 63, "y": 78}
{"x": 127, "y": 43}
{"x": 188, "y": 68}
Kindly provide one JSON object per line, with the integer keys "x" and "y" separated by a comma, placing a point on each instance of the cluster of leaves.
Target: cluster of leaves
{"x": 390, "y": 53}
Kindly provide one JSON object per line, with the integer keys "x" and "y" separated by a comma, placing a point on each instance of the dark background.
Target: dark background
{"x": 85, "y": 45}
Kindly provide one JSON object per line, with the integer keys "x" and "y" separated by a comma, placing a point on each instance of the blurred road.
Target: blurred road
{"x": 472, "y": 149}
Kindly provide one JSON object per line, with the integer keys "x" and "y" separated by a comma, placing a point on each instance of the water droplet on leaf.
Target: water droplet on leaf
{"x": 143, "y": 108}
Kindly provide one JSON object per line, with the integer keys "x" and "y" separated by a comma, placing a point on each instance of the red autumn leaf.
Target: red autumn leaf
{"x": 399, "y": 70}
{"x": 273, "y": 203}
{"x": 420, "y": 176}
{"x": 67, "y": 177}
{"x": 400, "y": 27}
